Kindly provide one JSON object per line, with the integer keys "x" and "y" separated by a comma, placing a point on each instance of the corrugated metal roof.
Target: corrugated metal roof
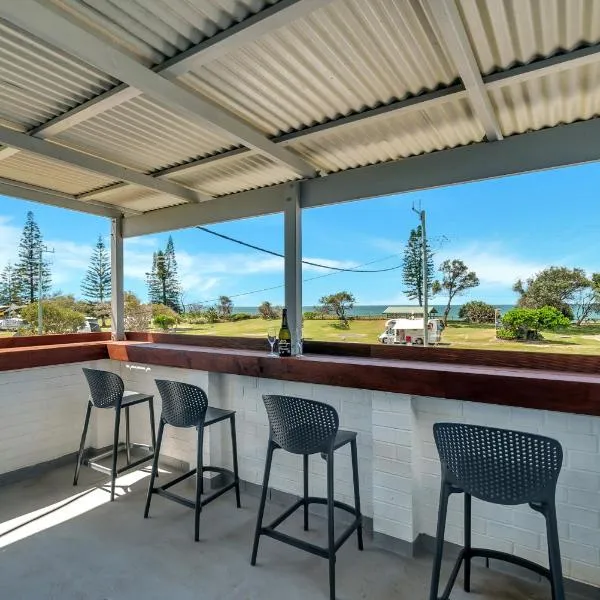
{"x": 343, "y": 59}
{"x": 518, "y": 31}
{"x": 235, "y": 174}
{"x": 395, "y": 136}
{"x": 340, "y": 59}
{"x": 47, "y": 173}
{"x": 38, "y": 83}
{"x": 562, "y": 97}
{"x": 143, "y": 135}
{"x": 156, "y": 30}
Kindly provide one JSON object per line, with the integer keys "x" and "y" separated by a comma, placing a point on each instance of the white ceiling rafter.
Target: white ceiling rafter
{"x": 95, "y": 164}
{"x": 41, "y": 195}
{"x": 48, "y": 25}
{"x": 451, "y": 30}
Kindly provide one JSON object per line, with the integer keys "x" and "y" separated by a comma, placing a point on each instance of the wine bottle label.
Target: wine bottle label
{"x": 285, "y": 348}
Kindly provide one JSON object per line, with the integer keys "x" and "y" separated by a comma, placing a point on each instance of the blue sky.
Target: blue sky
{"x": 503, "y": 229}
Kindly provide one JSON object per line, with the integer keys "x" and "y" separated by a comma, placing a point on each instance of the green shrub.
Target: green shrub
{"x": 477, "y": 311}
{"x": 161, "y": 309}
{"x": 165, "y": 322}
{"x": 241, "y": 317}
{"x": 506, "y": 334}
{"x": 56, "y": 317}
{"x": 526, "y": 323}
{"x": 211, "y": 314}
{"x": 311, "y": 315}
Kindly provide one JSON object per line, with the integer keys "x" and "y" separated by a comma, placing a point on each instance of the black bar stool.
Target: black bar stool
{"x": 307, "y": 427}
{"x": 186, "y": 405}
{"x": 108, "y": 391}
{"x": 503, "y": 467}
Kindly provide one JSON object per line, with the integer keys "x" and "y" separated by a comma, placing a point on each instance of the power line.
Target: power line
{"x": 277, "y": 287}
{"x": 305, "y": 262}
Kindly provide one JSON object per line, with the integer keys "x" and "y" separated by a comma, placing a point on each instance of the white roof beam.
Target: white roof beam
{"x": 550, "y": 148}
{"x": 451, "y": 30}
{"x": 22, "y": 141}
{"x": 25, "y": 191}
{"x": 46, "y": 24}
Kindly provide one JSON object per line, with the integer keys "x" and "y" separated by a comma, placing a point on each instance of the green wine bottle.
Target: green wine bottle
{"x": 285, "y": 337}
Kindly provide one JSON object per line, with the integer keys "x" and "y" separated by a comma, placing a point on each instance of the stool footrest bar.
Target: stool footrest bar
{"x": 175, "y": 497}
{"x": 495, "y": 554}
{"x": 270, "y": 530}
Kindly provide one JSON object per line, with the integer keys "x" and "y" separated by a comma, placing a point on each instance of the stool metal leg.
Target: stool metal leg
{"x": 113, "y": 475}
{"x": 263, "y": 500}
{"x": 127, "y": 436}
{"x": 199, "y": 483}
{"x": 330, "y": 525}
{"x": 305, "y": 457}
{"x": 359, "y": 532}
{"x": 235, "y": 461}
{"x": 154, "y": 472}
{"x": 439, "y": 541}
{"x": 152, "y": 424}
{"x": 467, "y": 559}
{"x": 556, "y": 577}
{"x": 82, "y": 444}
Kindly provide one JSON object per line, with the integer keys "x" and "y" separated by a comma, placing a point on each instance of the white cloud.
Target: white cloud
{"x": 203, "y": 271}
{"x": 493, "y": 263}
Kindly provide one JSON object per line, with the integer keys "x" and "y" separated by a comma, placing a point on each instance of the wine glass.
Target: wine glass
{"x": 272, "y": 338}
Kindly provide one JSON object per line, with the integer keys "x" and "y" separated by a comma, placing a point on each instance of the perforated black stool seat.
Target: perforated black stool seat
{"x": 186, "y": 405}
{"x": 343, "y": 437}
{"x": 502, "y": 467}
{"x": 307, "y": 427}
{"x": 133, "y": 398}
{"x": 107, "y": 391}
{"x": 214, "y": 415}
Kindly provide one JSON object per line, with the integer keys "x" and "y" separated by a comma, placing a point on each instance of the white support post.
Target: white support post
{"x": 117, "y": 308}
{"x": 293, "y": 259}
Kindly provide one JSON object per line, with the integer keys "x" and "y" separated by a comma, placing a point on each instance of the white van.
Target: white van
{"x": 12, "y": 323}
{"x": 410, "y": 331}
{"x": 91, "y": 326}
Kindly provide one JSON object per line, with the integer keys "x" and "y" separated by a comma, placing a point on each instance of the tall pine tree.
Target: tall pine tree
{"x": 9, "y": 288}
{"x": 96, "y": 284}
{"x": 412, "y": 267}
{"x": 28, "y": 265}
{"x": 163, "y": 281}
{"x": 174, "y": 287}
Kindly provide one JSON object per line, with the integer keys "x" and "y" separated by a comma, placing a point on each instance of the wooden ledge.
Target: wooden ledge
{"x": 399, "y": 370}
{"x": 28, "y": 357}
{"x": 527, "y": 388}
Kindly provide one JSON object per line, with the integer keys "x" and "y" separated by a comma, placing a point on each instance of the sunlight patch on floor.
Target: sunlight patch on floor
{"x": 29, "y": 524}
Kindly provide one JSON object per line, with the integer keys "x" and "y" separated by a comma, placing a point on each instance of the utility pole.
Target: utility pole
{"x": 425, "y": 270}
{"x": 40, "y": 286}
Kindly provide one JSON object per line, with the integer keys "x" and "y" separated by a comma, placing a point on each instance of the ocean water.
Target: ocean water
{"x": 377, "y": 309}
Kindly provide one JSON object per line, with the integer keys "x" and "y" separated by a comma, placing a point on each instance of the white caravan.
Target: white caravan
{"x": 410, "y": 331}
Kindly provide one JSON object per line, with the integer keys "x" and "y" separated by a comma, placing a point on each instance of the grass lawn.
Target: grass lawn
{"x": 573, "y": 340}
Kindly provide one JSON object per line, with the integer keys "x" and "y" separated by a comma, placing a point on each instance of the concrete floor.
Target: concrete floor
{"x": 54, "y": 546}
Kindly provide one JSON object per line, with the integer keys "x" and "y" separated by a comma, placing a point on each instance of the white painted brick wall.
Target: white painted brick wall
{"x": 42, "y": 410}
{"x": 41, "y": 413}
